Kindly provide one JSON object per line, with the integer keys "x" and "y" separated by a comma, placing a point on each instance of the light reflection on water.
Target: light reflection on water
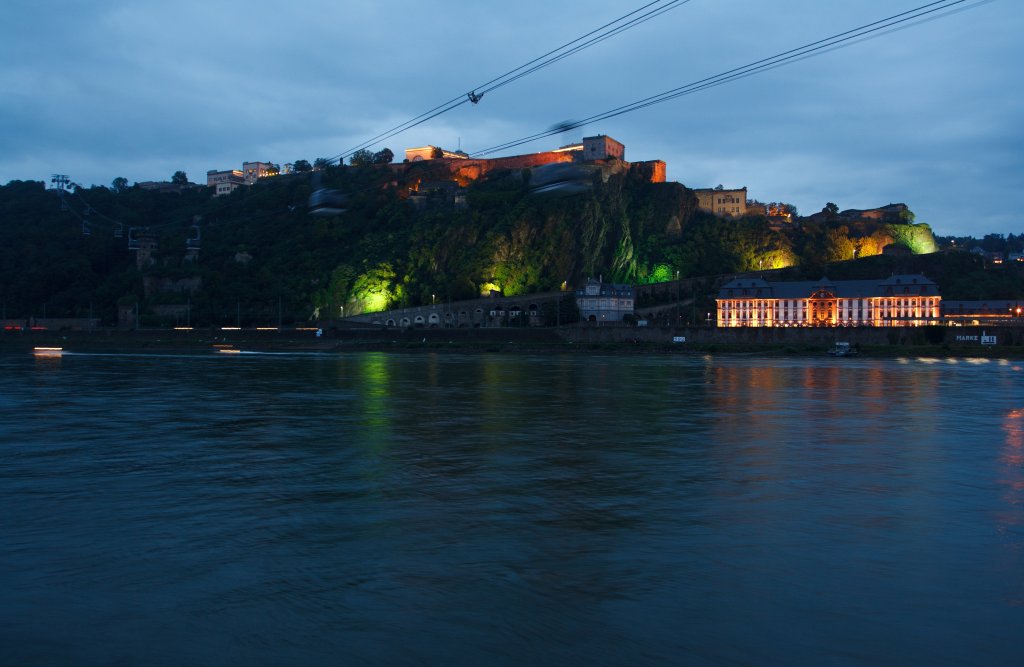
{"x": 404, "y": 509}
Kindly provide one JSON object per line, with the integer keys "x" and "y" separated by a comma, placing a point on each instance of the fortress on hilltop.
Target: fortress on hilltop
{"x": 465, "y": 169}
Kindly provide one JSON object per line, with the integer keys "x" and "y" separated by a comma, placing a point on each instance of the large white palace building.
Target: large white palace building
{"x": 898, "y": 301}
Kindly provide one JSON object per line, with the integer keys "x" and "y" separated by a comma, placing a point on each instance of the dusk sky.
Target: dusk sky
{"x": 930, "y": 115}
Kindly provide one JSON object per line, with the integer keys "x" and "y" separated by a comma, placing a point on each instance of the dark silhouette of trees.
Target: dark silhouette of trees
{"x": 361, "y": 158}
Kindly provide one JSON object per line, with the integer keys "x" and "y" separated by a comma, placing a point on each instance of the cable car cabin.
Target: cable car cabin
{"x": 326, "y": 202}
{"x": 560, "y": 179}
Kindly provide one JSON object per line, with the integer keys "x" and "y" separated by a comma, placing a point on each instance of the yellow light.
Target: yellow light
{"x": 183, "y": 328}
{"x": 266, "y": 328}
{"x": 231, "y": 328}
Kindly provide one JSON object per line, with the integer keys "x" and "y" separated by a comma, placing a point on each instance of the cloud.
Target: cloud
{"x": 927, "y": 115}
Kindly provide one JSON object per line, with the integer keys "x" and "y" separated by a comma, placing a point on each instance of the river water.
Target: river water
{"x": 400, "y": 509}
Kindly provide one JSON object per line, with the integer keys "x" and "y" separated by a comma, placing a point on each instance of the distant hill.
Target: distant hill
{"x": 411, "y": 235}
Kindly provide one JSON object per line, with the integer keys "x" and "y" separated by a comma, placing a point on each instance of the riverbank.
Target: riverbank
{"x": 506, "y": 341}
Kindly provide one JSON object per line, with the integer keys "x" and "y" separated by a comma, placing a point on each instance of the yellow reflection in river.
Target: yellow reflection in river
{"x": 1012, "y": 480}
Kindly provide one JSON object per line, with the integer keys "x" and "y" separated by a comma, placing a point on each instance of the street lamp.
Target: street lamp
{"x": 677, "y": 296}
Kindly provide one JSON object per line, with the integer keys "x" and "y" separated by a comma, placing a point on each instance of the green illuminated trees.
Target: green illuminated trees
{"x": 917, "y": 237}
{"x": 385, "y": 253}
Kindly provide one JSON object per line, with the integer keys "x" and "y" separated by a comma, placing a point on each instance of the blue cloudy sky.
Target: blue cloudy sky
{"x": 930, "y": 115}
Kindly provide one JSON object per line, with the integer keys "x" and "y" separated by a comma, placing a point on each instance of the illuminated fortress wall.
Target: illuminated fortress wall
{"x": 465, "y": 169}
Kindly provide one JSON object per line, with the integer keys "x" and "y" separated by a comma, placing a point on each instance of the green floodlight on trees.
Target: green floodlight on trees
{"x": 917, "y": 237}
{"x": 373, "y": 291}
{"x": 661, "y": 273}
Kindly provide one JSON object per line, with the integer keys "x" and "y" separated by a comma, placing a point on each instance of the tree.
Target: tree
{"x": 321, "y": 163}
{"x": 384, "y": 156}
{"x": 438, "y": 152}
{"x": 361, "y": 158}
{"x": 917, "y": 237}
{"x": 838, "y": 246}
{"x": 119, "y": 184}
{"x": 302, "y": 165}
{"x": 179, "y": 178}
{"x": 830, "y": 209}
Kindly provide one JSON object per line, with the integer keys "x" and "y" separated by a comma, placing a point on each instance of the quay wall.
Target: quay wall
{"x": 825, "y": 336}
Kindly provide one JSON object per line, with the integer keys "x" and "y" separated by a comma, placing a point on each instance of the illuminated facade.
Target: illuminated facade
{"x": 898, "y": 301}
{"x": 983, "y": 313}
{"x": 428, "y": 153}
{"x": 465, "y": 169}
{"x": 253, "y": 171}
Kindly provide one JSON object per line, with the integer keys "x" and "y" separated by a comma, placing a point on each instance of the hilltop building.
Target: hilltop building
{"x": 721, "y": 202}
{"x": 224, "y": 182}
{"x": 431, "y": 152}
{"x": 890, "y": 213}
{"x": 253, "y": 171}
{"x": 898, "y": 301}
{"x": 602, "y": 147}
{"x": 465, "y": 169}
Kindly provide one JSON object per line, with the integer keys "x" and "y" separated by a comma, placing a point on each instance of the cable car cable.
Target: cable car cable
{"x": 536, "y": 63}
{"x": 895, "y": 22}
